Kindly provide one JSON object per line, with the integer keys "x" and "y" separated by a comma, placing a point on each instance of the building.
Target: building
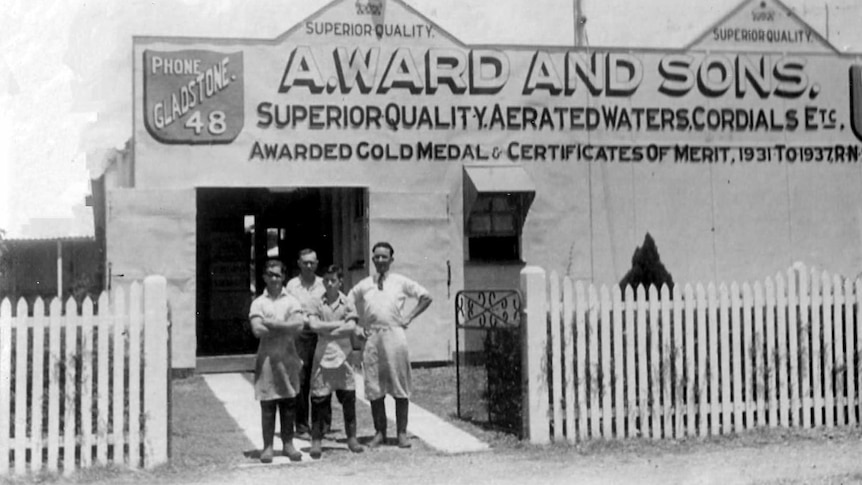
{"x": 739, "y": 154}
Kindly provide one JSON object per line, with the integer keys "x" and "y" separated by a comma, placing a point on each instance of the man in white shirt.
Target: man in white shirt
{"x": 379, "y": 302}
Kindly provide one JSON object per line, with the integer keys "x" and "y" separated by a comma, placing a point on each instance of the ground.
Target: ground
{"x": 208, "y": 448}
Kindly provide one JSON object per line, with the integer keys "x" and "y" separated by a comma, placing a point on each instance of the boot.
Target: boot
{"x": 267, "y": 426}
{"x": 378, "y": 415}
{"x": 320, "y": 410}
{"x": 327, "y": 418}
{"x": 316, "y": 449}
{"x": 348, "y": 404}
{"x": 402, "y": 405}
{"x": 287, "y": 408}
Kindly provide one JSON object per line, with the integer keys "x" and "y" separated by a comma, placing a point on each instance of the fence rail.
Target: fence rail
{"x": 80, "y": 386}
{"x": 601, "y": 363}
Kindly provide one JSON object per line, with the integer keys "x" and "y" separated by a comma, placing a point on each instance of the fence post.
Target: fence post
{"x": 155, "y": 371}
{"x": 534, "y": 331}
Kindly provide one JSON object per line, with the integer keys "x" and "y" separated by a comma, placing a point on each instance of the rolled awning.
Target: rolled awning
{"x": 497, "y": 179}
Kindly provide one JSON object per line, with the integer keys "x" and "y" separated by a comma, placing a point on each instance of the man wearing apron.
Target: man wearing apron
{"x": 379, "y": 301}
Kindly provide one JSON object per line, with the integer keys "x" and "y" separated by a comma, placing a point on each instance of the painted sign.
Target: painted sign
{"x": 353, "y": 84}
{"x": 193, "y": 96}
{"x": 765, "y": 25}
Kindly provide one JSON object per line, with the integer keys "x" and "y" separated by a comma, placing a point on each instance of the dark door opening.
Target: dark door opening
{"x": 238, "y": 229}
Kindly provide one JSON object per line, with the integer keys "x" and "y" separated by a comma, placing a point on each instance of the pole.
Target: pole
{"x": 579, "y": 21}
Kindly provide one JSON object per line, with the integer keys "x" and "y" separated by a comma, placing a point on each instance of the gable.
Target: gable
{"x": 762, "y": 26}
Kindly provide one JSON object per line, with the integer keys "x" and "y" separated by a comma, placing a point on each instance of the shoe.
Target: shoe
{"x": 403, "y": 441}
{"x": 291, "y": 452}
{"x": 266, "y": 455}
{"x": 316, "y": 449}
{"x": 354, "y": 446}
{"x": 379, "y": 439}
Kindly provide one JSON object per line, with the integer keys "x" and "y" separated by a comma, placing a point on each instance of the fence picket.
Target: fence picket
{"x": 736, "y": 358}
{"x": 136, "y": 299}
{"x": 118, "y": 364}
{"x": 714, "y": 365}
{"x": 748, "y": 374}
{"x": 804, "y": 348}
{"x": 828, "y": 355}
{"x": 760, "y": 371}
{"x": 56, "y": 324}
{"x": 70, "y": 352}
{"x": 20, "y": 418}
{"x": 654, "y": 363}
{"x": 5, "y": 379}
{"x": 690, "y": 370}
{"x": 619, "y": 369}
{"x": 642, "y": 356}
{"x": 581, "y": 358}
{"x": 593, "y": 382}
{"x": 858, "y": 354}
{"x": 702, "y": 338}
{"x": 781, "y": 347}
{"x": 38, "y": 385}
{"x": 838, "y": 343}
{"x": 724, "y": 354}
{"x": 793, "y": 346}
{"x": 607, "y": 413}
{"x": 770, "y": 356}
{"x": 87, "y": 383}
{"x": 816, "y": 349}
{"x": 556, "y": 359}
{"x": 104, "y": 328}
{"x": 568, "y": 357}
{"x": 849, "y": 355}
{"x": 631, "y": 370}
{"x": 666, "y": 361}
{"x": 678, "y": 383}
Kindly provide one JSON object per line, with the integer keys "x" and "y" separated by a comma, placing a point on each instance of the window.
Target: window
{"x": 494, "y": 228}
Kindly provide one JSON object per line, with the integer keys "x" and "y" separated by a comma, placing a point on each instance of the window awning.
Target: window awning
{"x": 497, "y": 179}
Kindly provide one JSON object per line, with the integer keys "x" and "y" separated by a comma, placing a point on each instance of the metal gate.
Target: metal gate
{"x": 488, "y": 357}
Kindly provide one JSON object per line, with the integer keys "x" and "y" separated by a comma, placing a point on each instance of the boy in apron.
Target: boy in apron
{"x": 332, "y": 369}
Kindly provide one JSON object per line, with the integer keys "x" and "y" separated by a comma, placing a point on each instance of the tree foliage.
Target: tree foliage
{"x": 647, "y": 268}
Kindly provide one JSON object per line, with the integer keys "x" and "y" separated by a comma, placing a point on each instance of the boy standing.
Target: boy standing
{"x": 276, "y": 317}
{"x": 332, "y": 369}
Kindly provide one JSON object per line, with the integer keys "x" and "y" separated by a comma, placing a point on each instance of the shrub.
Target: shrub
{"x": 647, "y": 268}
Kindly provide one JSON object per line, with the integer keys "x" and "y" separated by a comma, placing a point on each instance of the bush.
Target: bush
{"x": 647, "y": 269}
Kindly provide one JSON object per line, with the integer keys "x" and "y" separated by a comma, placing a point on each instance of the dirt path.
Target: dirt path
{"x": 210, "y": 448}
{"x": 800, "y": 460}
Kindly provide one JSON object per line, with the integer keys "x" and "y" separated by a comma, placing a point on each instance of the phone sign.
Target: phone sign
{"x": 193, "y": 96}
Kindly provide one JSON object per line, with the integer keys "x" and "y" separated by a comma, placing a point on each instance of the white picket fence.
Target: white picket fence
{"x": 84, "y": 390}
{"x": 697, "y": 361}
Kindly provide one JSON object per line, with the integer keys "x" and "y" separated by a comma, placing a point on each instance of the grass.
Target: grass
{"x": 207, "y": 445}
{"x": 434, "y": 389}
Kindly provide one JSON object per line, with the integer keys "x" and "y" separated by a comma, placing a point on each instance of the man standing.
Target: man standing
{"x": 308, "y": 289}
{"x": 276, "y": 318}
{"x": 379, "y": 301}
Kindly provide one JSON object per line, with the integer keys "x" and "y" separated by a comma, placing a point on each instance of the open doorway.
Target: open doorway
{"x": 238, "y": 229}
